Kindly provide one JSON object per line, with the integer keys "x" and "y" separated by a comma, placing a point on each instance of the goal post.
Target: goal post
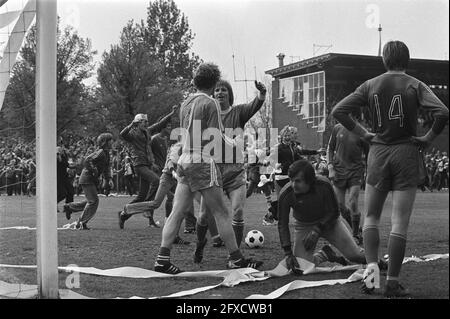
{"x": 46, "y": 226}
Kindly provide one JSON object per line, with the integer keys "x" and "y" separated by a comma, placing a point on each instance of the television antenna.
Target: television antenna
{"x": 245, "y": 80}
{"x": 318, "y": 47}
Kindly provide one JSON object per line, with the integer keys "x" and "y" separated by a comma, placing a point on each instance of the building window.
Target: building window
{"x": 306, "y": 95}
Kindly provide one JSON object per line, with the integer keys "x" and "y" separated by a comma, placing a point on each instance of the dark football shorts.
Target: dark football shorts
{"x": 394, "y": 167}
{"x": 345, "y": 181}
{"x": 233, "y": 176}
{"x": 199, "y": 176}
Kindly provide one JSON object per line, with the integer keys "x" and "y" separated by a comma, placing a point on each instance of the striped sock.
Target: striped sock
{"x": 163, "y": 255}
{"x": 371, "y": 238}
{"x": 396, "y": 251}
{"x": 238, "y": 227}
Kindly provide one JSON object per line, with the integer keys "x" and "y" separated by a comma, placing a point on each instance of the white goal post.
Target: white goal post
{"x": 46, "y": 226}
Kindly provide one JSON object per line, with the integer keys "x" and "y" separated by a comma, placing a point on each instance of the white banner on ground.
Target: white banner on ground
{"x": 231, "y": 277}
{"x": 64, "y": 227}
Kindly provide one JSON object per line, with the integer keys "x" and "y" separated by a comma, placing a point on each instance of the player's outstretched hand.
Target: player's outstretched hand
{"x": 292, "y": 264}
{"x": 260, "y": 87}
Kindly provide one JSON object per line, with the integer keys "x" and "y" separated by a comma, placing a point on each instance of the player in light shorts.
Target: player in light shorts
{"x": 231, "y": 167}
{"x": 197, "y": 170}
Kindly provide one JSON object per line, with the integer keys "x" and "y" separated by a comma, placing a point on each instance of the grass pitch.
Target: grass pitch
{"x": 106, "y": 246}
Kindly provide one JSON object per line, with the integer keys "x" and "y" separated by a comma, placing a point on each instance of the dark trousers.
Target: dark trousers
{"x": 148, "y": 184}
{"x": 65, "y": 190}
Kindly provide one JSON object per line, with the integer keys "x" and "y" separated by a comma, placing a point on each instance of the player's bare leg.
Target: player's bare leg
{"x": 403, "y": 202}
{"x": 183, "y": 199}
{"x": 340, "y": 196}
{"x": 354, "y": 211}
{"x": 374, "y": 202}
{"x": 214, "y": 198}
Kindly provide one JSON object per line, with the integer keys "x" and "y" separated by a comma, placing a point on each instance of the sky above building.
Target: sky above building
{"x": 255, "y": 31}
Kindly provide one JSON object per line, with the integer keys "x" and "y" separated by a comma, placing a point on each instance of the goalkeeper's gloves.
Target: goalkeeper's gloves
{"x": 292, "y": 263}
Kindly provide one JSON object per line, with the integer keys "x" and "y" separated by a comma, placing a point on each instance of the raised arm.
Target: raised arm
{"x": 248, "y": 110}
{"x": 157, "y": 127}
{"x": 125, "y": 133}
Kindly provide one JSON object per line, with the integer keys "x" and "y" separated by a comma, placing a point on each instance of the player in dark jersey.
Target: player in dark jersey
{"x": 96, "y": 164}
{"x": 395, "y": 161}
{"x": 198, "y": 171}
{"x": 346, "y": 171}
{"x": 232, "y": 168}
{"x": 316, "y": 214}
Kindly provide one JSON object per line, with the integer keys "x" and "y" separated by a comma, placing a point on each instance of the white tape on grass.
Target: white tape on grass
{"x": 231, "y": 277}
{"x": 69, "y": 226}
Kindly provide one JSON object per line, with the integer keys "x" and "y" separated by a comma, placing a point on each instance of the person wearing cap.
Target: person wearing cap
{"x": 346, "y": 154}
{"x": 138, "y": 135}
{"x": 96, "y": 164}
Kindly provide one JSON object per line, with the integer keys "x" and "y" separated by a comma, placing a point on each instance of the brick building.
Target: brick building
{"x": 304, "y": 92}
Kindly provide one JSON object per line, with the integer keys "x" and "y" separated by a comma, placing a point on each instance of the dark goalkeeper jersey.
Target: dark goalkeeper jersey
{"x": 319, "y": 206}
{"x": 393, "y": 99}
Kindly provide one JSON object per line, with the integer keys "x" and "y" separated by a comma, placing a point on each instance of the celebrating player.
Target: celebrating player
{"x": 198, "y": 171}
{"x": 96, "y": 164}
{"x": 138, "y": 134}
{"x": 394, "y": 162}
{"x": 232, "y": 166}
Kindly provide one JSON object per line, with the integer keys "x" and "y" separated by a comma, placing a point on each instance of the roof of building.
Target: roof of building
{"x": 349, "y": 60}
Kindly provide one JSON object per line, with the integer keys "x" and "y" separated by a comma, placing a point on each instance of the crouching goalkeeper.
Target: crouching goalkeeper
{"x": 316, "y": 215}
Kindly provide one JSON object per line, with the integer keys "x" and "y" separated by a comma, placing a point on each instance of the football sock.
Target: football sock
{"x": 355, "y": 224}
{"x": 371, "y": 238}
{"x": 201, "y": 232}
{"x": 163, "y": 255}
{"x": 238, "y": 227}
{"x": 212, "y": 226}
{"x": 396, "y": 251}
{"x": 236, "y": 255}
{"x": 345, "y": 213}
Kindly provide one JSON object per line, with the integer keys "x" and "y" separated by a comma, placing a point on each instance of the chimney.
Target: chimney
{"x": 280, "y": 57}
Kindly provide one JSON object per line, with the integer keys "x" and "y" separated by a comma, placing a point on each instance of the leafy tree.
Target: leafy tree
{"x": 150, "y": 69}
{"x": 74, "y": 65}
{"x": 168, "y": 36}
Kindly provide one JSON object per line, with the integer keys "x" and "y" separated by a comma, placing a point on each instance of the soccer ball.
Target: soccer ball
{"x": 254, "y": 239}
